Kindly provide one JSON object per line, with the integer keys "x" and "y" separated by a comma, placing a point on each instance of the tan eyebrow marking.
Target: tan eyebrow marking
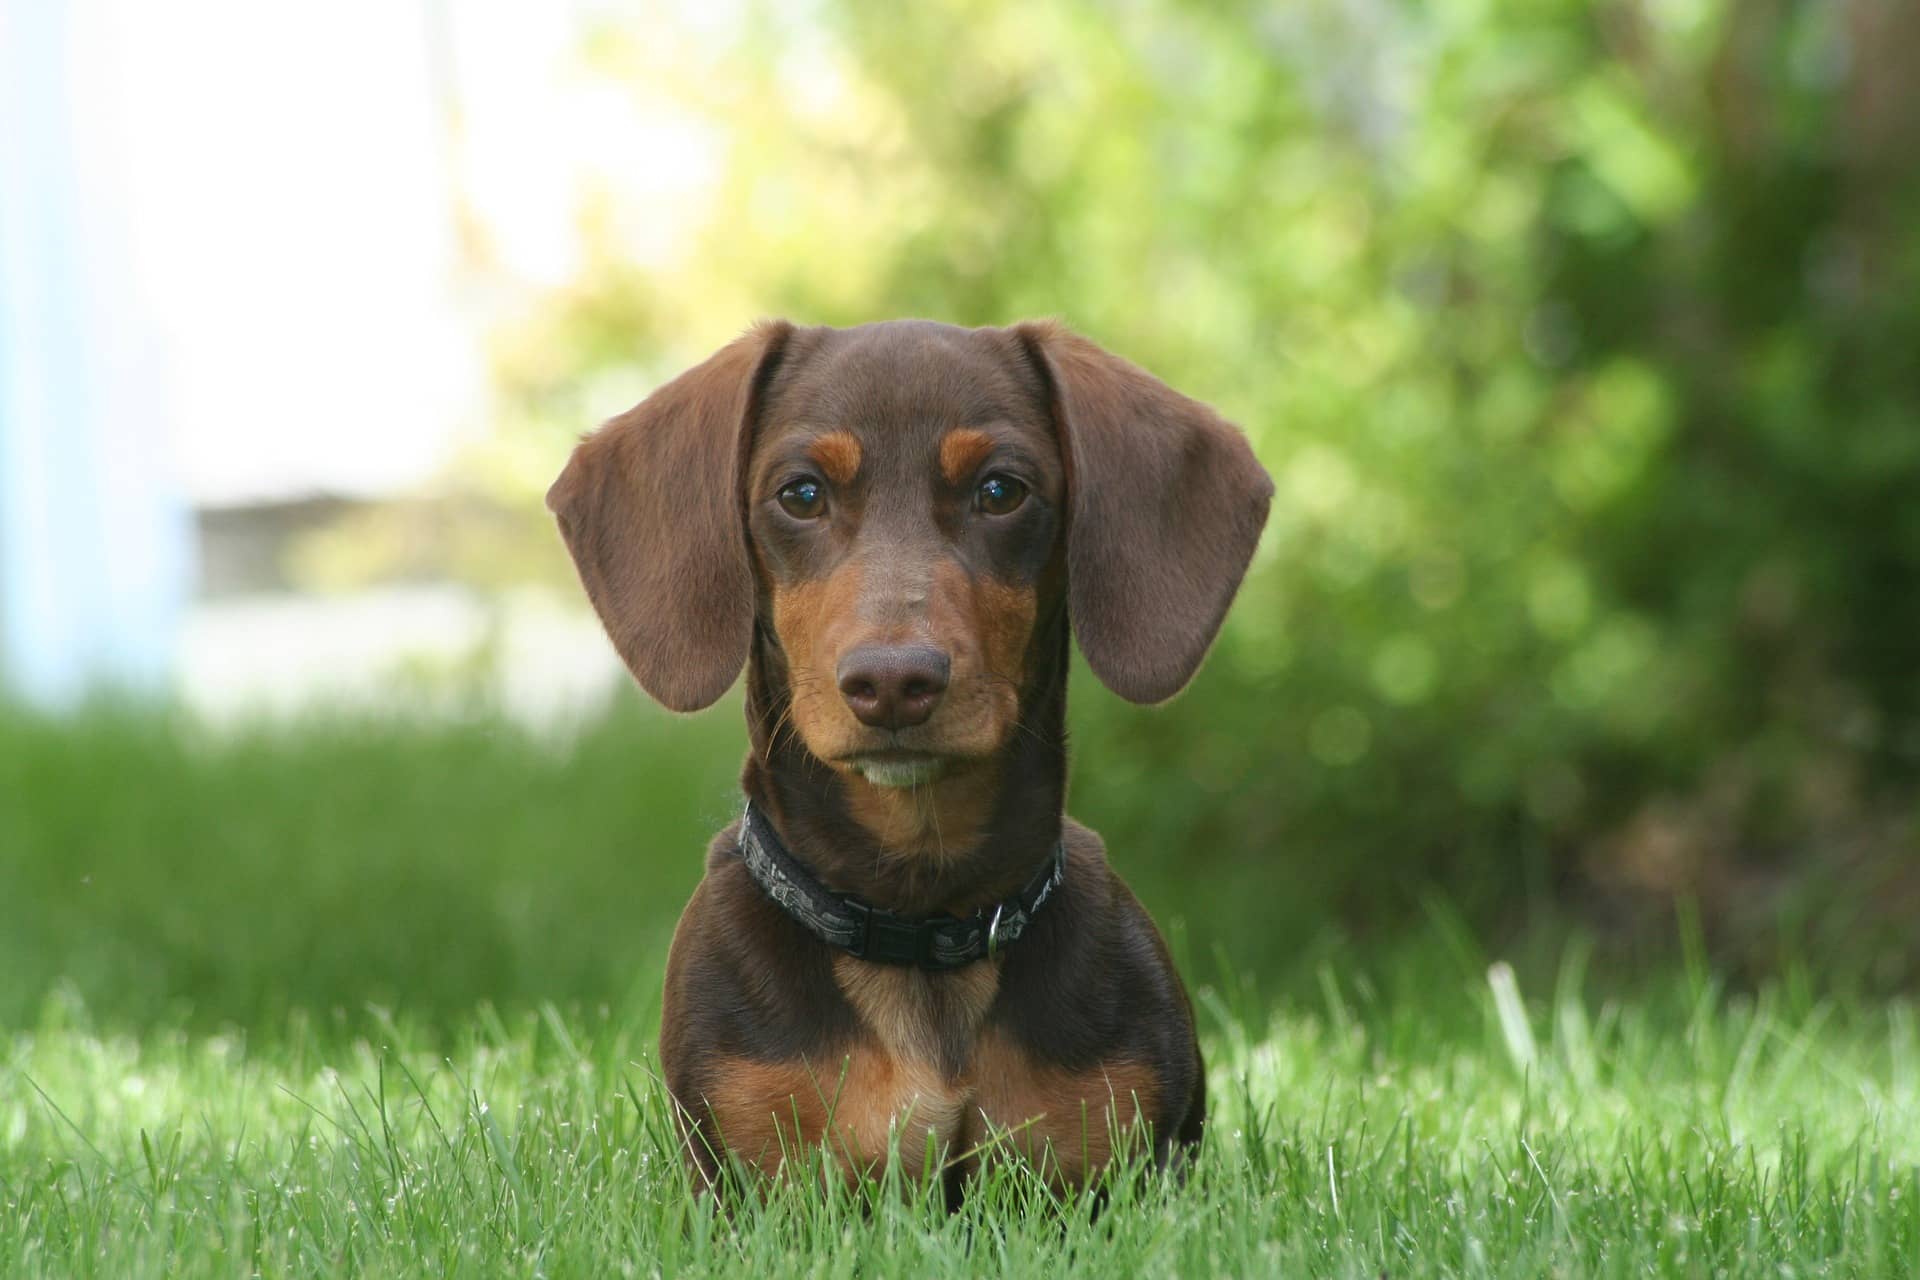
{"x": 838, "y": 454}
{"x": 961, "y": 451}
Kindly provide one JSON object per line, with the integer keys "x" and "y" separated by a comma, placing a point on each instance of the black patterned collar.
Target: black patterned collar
{"x": 936, "y": 942}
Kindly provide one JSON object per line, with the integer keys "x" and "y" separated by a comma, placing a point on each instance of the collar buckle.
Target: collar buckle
{"x": 884, "y": 938}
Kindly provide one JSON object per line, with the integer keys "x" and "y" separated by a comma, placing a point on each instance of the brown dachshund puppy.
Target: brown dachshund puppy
{"x": 894, "y": 528}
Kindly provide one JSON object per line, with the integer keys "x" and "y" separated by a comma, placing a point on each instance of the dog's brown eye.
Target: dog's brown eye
{"x": 803, "y": 499}
{"x": 1001, "y": 494}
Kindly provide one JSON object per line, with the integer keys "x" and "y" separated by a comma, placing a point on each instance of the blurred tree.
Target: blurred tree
{"x": 1583, "y": 342}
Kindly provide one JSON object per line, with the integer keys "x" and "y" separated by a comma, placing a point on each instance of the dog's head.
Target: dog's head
{"x": 908, "y": 511}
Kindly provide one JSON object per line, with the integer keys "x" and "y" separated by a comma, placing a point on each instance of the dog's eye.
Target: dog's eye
{"x": 804, "y": 499}
{"x": 1000, "y": 495}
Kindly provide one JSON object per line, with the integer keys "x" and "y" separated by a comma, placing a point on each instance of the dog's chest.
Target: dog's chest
{"x": 929, "y": 1077}
{"x": 912, "y": 1067}
{"x": 940, "y": 1079}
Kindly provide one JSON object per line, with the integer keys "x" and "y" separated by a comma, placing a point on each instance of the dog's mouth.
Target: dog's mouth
{"x": 898, "y": 768}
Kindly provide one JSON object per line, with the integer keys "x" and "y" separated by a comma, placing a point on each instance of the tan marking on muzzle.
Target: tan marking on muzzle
{"x": 811, "y": 620}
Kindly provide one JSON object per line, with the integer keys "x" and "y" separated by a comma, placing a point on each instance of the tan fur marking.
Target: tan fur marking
{"x": 1062, "y": 1121}
{"x": 899, "y": 1005}
{"x": 1005, "y": 615}
{"x": 986, "y": 627}
{"x": 838, "y": 454}
{"x": 762, "y": 1109}
{"x": 889, "y": 1091}
{"x": 816, "y": 623}
{"x": 806, "y": 617}
{"x": 943, "y": 819}
{"x": 961, "y": 453}
{"x": 766, "y": 1111}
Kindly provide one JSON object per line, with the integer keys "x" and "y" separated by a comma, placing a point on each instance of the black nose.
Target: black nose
{"x": 893, "y": 688}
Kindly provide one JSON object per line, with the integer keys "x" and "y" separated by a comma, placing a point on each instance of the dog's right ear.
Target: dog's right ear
{"x": 650, "y": 509}
{"x": 1165, "y": 506}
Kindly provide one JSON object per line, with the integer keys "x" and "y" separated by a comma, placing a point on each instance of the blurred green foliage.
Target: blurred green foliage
{"x": 326, "y": 871}
{"x": 1583, "y": 343}
{"x": 326, "y": 874}
{"x": 1582, "y": 340}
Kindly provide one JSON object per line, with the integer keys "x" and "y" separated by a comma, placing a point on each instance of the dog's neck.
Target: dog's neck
{"x": 967, "y": 839}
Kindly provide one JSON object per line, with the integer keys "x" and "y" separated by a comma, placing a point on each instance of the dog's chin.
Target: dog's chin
{"x": 901, "y": 774}
{"x": 886, "y": 762}
{"x": 900, "y": 771}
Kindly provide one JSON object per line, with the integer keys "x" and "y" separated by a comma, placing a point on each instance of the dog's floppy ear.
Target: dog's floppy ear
{"x": 1165, "y": 502}
{"x": 650, "y": 509}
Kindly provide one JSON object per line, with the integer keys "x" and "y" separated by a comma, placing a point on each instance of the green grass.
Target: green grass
{"x": 169, "y": 872}
{"x": 1684, "y": 1134}
{"x": 379, "y": 996}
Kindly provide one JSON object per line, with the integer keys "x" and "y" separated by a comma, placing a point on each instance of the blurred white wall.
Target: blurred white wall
{"x": 251, "y": 251}
{"x": 229, "y": 271}
{"x": 288, "y": 177}
{"x": 94, "y": 544}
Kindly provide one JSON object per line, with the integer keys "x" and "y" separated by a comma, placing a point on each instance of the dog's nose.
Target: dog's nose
{"x": 893, "y": 688}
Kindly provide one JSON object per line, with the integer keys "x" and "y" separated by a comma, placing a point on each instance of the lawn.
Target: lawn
{"x": 1470, "y": 1133}
{"x": 371, "y": 999}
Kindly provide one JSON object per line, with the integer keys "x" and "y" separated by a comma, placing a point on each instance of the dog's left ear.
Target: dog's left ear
{"x": 1165, "y": 502}
{"x": 649, "y": 506}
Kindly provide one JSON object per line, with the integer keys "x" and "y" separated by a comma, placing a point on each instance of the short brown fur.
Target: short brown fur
{"x": 1135, "y": 513}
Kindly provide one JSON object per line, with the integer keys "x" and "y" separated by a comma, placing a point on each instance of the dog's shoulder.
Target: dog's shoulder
{"x": 743, "y": 979}
{"x": 1092, "y": 972}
